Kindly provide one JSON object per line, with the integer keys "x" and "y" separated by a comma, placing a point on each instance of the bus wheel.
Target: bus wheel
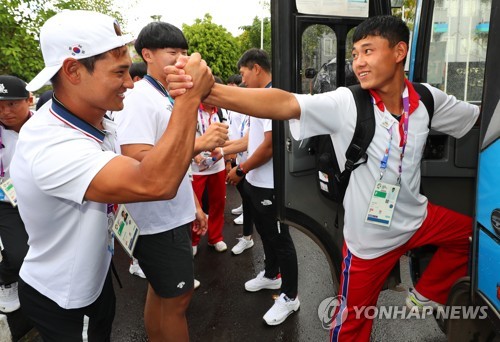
{"x": 478, "y": 328}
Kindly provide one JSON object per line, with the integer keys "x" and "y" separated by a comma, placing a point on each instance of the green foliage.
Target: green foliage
{"x": 250, "y": 38}
{"x": 20, "y": 22}
{"x": 215, "y": 44}
{"x": 407, "y": 12}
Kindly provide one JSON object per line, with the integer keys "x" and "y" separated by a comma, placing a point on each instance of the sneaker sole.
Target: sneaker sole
{"x": 282, "y": 320}
{"x": 274, "y": 287}
{"x": 218, "y": 250}
{"x": 242, "y": 250}
{"x": 412, "y": 305}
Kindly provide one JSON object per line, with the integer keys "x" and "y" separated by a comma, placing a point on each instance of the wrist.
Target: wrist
{"x": 221, "y": 152}
{"x": 240, "y": 172}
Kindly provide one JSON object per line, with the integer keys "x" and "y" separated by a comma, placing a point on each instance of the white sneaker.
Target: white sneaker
{"x": 415, "y": 301}
{"x": 282, "y": 308}
{"x": 242, "y": 244}
{"x": 237, "y": 211}
{"x": 9, "y": 299}
{"x": 219, "y": 246}
{"x": 135, "y": 269}
{"x": 238, "y": 220}
{"x": 196, "y": 284}
{"x": 195, "y": 250}
{"x": 260, "y": 283}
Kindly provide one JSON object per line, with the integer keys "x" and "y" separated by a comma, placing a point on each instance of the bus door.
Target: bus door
{"x": 448, "y": 51}
{"x": 482, "y": 288}
{"x": 452, "y": 49}
{"x": 311, "y": 53}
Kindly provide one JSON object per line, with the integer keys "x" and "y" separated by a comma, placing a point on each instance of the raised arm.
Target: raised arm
{"x": 269, "y": 103}
{"x": 162, "y": 168}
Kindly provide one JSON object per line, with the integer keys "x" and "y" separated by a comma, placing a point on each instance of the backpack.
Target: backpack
{"x": 332, "y": 182}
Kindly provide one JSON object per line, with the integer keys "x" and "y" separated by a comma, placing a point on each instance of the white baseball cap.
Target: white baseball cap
{"x": 78, "y": 35}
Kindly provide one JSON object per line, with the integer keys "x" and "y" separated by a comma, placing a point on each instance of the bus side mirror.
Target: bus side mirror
{"x": 310, "y": 73}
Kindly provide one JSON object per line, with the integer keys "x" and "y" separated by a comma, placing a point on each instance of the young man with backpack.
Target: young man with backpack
{"x": 374, "y": 243}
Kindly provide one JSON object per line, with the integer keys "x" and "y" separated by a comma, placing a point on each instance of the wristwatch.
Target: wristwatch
{"x": 240, "y": 172}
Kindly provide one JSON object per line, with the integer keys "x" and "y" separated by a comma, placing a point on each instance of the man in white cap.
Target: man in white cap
{"x": 67, "y": 174}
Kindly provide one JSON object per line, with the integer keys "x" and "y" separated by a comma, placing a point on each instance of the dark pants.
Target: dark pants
{"x": 56, "y": 324}
{"x": 15, "y": 242}
{"x": 247, "y": 209}
{"x": 278, "y": 245}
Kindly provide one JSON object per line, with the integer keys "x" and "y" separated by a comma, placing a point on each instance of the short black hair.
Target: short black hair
{"x": 386, "y": 26}
{"x": 236, "y": 79}
{"x": 160, "y": 35}
{"x": 138, "y": 69}
{"x": 255, "y": 56}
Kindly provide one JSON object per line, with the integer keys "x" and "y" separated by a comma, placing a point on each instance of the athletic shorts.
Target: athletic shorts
{"x": 167, "y": 261}
{"x": 55, "y": 324}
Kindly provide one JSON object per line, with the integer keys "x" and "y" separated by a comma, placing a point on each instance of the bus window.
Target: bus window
{"x": 458, "y": 47}
{"x": 319, "y": 52}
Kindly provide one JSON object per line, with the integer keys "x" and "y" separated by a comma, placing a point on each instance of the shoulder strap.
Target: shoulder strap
{"x": 364, "y": 131}
{"x": 426, "y": 98}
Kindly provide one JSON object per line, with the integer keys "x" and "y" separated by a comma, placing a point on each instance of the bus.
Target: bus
{"x": 452, "y": 48}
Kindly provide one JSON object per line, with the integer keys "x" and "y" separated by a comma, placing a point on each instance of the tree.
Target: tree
{"x": 217, "y": 46}
{"x": 406, "y": 12}
{"x": 250, "y": 38}
{"x": 21, "y": 20}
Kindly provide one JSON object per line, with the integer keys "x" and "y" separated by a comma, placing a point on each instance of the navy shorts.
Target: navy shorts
{"x": 167, "y": 261}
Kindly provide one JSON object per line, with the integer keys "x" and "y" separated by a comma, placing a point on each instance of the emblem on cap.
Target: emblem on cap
{"x": 3, "y": 90}
{"x": 76, "y": 50}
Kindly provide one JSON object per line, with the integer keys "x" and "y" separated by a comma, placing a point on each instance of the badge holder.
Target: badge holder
{"x": 9, "y": 191}
{"x": 125, "y": 230}
{"x": 382, "y": 204}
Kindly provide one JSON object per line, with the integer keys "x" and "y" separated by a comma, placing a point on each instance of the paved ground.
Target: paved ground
{"x": 221, "y": 310}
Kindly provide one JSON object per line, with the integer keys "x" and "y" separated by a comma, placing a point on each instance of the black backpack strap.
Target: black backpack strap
{"x": 426, "y": 98}
{"x": 364, "y": 131}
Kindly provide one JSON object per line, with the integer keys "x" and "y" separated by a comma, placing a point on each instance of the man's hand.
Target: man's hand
{"x": 232, "y": 178}
{"x": 217, "y": 154}
{"x": 201, "y": 74}
{"x": 215, "y": 136}
{"x": 200, "y": 223}
{"x": 177, "y": 79}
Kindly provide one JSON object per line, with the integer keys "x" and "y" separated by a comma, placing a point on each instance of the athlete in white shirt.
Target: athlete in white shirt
{"x": 371, "y": 250}
{"x": 66, "y": 173}
{"x": 164, "y": 246}
{"x": 15, "y": 102}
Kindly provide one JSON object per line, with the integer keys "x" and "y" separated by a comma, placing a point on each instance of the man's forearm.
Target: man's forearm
{"x": 268, "y": 103}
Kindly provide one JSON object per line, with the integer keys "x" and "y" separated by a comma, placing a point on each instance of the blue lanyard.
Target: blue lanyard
{"x": 159, "y": 87}
{"x": 385, "y": 159}
{"x": 244, "y": 122}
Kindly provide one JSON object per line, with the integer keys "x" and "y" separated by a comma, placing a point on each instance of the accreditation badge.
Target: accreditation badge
{"x": 382, "y": 204}
{"x": 9, "y": 191}
{"x": 125, "y": 230}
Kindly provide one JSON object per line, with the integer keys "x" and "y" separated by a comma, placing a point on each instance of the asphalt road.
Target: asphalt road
{"x": 221, "y": 310}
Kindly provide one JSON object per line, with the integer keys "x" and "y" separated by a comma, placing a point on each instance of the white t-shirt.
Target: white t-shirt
{"x": 143, "y": 120}
{"x": 262, "y": 176}
{"x": 204, "y": 120}
{"x": 56, "y": 158}
{"x": 9, "y": 140}
{"x": 238, "y": 128}
{"x": 335, "y": 113}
